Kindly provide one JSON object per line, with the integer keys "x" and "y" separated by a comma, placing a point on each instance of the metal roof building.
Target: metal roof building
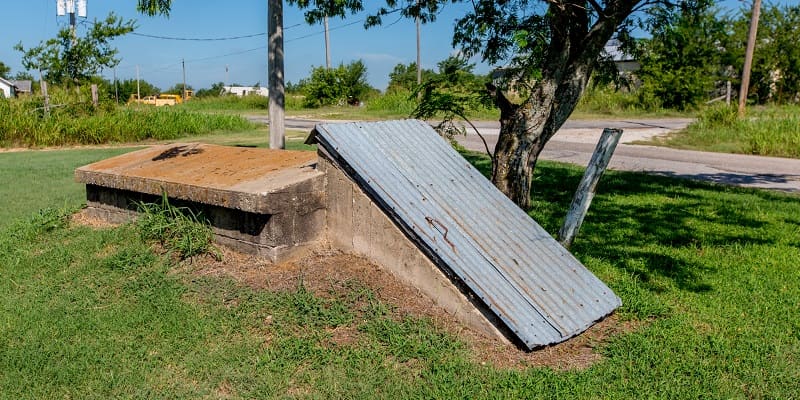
{"x": 477, "y": 236}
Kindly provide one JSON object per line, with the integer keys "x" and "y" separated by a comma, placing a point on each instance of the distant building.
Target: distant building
{"x": 7, "y": 88}
{"x": 245, "y": 90}
{"x": 625, "y": 62}
{"x": 23, "y": 87}
{"x": 626, "y": 65}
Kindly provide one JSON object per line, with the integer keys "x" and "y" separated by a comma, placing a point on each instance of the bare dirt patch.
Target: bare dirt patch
{"x": 82, "y": 217}
{"x": 327, "y": 271}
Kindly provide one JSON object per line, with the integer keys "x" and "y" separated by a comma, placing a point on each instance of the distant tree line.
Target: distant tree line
{"x": 693, "y": 52}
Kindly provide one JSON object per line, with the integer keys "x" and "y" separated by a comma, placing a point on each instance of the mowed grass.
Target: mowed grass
{"x": 708, "y": 277}
{"x": 766, "y": 131}
{"x": 32, "y": 180}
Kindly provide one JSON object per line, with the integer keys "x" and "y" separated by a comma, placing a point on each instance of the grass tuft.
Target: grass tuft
{"x": 25, "y": 124}
{"x": 178, "y": 229}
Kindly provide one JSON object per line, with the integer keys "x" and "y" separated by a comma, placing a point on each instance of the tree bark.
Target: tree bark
{"x": 527, "y": 127}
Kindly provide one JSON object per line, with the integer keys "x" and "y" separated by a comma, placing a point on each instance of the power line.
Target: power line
{"x": 208, "y": 39}
{"x": 323, "y": 31}
{"x": 248, "y": 36}
{"x": 197, "y": 39}
{"x": 229, "y": 54}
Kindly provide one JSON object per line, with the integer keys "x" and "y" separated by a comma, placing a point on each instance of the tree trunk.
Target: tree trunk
{"x": 516, "y": 153}
{"x": 526, "y": 128}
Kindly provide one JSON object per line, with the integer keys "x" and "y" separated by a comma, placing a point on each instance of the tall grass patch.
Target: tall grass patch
{"x": 25, "y": 122}
{"x": 178, "y": 229}
{"x": 228, "y": 103}
{"x": 767, "y": 131}
{"x": 605, "y": 100}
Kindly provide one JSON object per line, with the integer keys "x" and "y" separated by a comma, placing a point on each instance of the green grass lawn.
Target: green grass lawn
{"x": 708, "y": 274}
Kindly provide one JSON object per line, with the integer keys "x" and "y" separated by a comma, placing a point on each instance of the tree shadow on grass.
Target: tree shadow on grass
{"x": 650, "y": 226}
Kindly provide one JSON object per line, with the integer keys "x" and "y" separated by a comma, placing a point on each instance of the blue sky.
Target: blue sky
{"x": 159, "y": 61}
{"x": 381, "y": 48}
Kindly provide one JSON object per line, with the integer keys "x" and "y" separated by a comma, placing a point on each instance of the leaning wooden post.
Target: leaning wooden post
{"x": 94, "y": 95}
{"x": 43, "y": 86}
{"x": 585, "y": 193}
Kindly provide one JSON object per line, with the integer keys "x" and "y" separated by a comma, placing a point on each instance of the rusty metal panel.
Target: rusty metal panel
{"x": 479, "y": 237}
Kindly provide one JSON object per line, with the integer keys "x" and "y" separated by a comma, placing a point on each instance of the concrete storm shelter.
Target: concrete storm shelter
{"x": 394, "y": 192}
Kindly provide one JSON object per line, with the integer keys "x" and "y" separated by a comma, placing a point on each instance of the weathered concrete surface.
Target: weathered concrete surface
{"x": 246, "y": 179}
{"x": 265, "y": 202}
{"x": 356, "y": 224}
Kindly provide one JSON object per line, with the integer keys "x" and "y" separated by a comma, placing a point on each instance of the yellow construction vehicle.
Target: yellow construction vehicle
{"x": 152, "y": 100}
{"x": 161, "y": 99}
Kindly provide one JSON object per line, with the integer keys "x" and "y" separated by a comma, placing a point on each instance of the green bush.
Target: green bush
{"x": 345, "y": 84}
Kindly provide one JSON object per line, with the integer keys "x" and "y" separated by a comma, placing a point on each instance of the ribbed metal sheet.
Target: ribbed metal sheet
{"x": 535, "y": 287}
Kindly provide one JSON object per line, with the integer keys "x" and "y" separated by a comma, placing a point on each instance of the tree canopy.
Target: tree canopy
{"x": 68, "y": 59}
{"x": 5, "y": 70}
{"x": 684, "y": 58}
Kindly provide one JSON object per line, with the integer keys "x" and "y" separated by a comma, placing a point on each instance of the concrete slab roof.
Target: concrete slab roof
{"x": 247, "y": 179}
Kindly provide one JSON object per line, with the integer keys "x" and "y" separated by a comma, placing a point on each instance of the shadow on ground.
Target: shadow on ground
{"x": 738, "y": 179}
{"x": 653, "y": 227}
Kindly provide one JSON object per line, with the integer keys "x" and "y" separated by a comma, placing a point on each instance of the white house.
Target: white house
{"x": 245, "y": 90}
{"x": 625, "y": 62}
{"x": 7, "y": 88}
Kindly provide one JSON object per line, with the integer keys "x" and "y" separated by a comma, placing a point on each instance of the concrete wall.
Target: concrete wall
{"x": 276, "y": 237}
{"x": 356, "y": 224}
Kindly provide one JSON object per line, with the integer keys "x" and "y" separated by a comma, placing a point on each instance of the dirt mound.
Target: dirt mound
{"x": 325, "y": 271}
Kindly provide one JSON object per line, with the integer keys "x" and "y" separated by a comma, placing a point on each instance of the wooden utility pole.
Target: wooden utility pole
{"x": 327, "y": 44}
{"x": 95, "y": 97}
{"x": 728, "y": 93}
{"x": 419, "y": 57}
{"x": 183, "y": 65}
{"x": 116, "y": 86}
{"x": 72, "y": 31}
{"x": 275, "y": 63}
{"x": 138, "y": 93}
{"x": 748, "y": 56}
{"x": 586, "y": 188}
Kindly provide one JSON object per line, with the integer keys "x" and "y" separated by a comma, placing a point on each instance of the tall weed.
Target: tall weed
{"x": 70, "y": 120}
{"x": 769, "y": 131}
{"x": 178, "y": 229}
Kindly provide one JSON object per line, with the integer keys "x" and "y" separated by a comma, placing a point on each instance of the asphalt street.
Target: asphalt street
{"x": 576, "y": 140}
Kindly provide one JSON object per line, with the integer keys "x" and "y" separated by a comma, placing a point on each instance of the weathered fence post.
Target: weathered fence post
{"x": 583, "y": 196}
{"x": 43, "y": 86}
{"x": 94, "y": 95}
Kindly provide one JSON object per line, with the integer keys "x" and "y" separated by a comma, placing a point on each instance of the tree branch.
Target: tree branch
{"x": 600, "y": 11}
{"x": 506, "y": 107}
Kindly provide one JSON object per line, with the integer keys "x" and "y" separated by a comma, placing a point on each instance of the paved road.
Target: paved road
{"x": 575, "y": 142}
